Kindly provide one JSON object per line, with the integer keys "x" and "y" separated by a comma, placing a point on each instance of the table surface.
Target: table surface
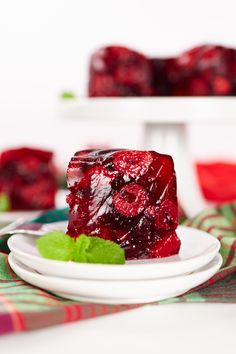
{"x": 173, "y": 328}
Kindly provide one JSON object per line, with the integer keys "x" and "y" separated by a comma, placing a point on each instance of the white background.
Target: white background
{"x": 45, "y": 47}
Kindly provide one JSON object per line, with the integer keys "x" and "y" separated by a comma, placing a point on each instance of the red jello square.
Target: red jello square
{"x": 28, "y": 178}
{"x": 207, "y": 70}
{"x": 125, "y": 196}
{"x": 119, "y": 71}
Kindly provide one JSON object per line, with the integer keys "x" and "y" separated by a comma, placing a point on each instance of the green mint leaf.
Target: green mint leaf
{"x": 98, "y": 250}
{"x": 5, "y": 203}
{"x": 59, "y": 246}
{"x": 68, "y": 95}
{"x": 81, "y": 247}
{"x": 56, "y": 245}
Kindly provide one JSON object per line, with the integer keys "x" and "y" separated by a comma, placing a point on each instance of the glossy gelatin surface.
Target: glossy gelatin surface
{"x": 126, "y": 196}
{"x": 28, "y": 178}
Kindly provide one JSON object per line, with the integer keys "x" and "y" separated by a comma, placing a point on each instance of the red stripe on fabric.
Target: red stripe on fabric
{"x": 225, "y": 273}
{"x": 10, "y": 271}
{"x": 16, "y": 316}
{"x": 224, "y": 228}
{"x": 231, "y": 254}
{"x": 210, "y": 216}
{"x": 219, "y": 276}
{"x": 72, "y": 312}
{"x": 104, "y": 309}
{"x": 93, "y": 310}
{"x": 210, "y": 228}
{"x": 211, "y": 281}
{"x": 116, "y": 308}
{"x": 127, "y": 307}
{"x": 221, "y": 228}
{"x": 78, "y": 311}
{"x": 6, "y": 325}
{"x": 68, "y": 313}
{"x": 219, "y": 294}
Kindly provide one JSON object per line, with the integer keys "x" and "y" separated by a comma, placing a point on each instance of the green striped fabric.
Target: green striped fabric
{"x": 24, "y": 307}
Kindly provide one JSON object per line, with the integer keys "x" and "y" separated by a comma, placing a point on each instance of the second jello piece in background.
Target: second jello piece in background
{"x": 205, "y": 70}
{"x": 119, "y": 71}
{"x": 126, "y": 196}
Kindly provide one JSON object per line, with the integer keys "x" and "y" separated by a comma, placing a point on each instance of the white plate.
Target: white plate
{"x": 112, "y": 301}
{"x": 117, "y": 290}
{"x": 197, "y": 249}
{"x": 27, "y": 215}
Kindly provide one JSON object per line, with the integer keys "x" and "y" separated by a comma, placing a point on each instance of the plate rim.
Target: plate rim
{"x": 86, "y": 271}
{"x": 33, "y": 278}
{"x": 127, "y": 264}
{"x": 203, "y": 269}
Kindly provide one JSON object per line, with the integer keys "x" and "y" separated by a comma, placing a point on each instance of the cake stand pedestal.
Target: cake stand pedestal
{"x": 172, "y": 139}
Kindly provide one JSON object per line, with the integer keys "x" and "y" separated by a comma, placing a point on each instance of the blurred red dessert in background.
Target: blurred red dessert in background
{"x": 166, "y": 76}
{"x": 126, "y": 196}
{"x": 119, "y": 71}
{"x": 217, "y": 180}
{"x": 207, "y": 70}
{"x": 28, "y": 178}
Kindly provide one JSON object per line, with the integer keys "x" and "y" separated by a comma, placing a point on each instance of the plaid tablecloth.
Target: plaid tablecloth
{"x": 24, "y": 307}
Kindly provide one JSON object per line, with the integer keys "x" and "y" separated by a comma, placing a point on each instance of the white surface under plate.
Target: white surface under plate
{"x": 27, "y": 215}
{"x": 117, "y": 290}
{"x": 197, "y": 249}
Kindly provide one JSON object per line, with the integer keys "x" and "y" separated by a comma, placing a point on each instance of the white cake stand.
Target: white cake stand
{"x": 164, "y": 121}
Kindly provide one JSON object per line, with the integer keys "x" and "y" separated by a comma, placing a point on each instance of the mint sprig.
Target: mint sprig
{"x": 68, "y": 95}
{"x": 81, "y": 249}
{"x": 56, "y": 245}
{"x": 97, "y": 250}
{"x": 85, "y": 249}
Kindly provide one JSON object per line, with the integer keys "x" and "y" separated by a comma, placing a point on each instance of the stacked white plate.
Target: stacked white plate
{"x": 138, "y": 281}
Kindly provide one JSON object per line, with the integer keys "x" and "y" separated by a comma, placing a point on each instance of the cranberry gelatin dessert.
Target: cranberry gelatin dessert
{"x": 125, "y": 196}
{"x": 119, "y": 71}
{"x": 28, "y": 178}
{"x": 206, "y": 70}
